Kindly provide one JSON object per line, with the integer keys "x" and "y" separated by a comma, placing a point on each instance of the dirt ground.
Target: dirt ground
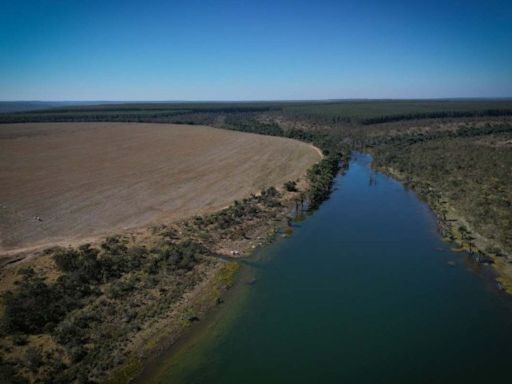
{"x": 67, "y": 182}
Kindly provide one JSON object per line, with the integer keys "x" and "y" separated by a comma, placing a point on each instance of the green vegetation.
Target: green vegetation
{"x": 320, "y": 178}
{"x": 290, "y": 186}
{"x": 456, "y": 154}
{"x": 101, "y": 297}
{"x": 323, "y": 112}
{"x": 467, "y": 168}
{"x": 375, "y": 111}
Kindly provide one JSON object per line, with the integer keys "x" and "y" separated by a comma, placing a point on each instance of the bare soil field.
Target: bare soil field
{"x": 65, "y": 182}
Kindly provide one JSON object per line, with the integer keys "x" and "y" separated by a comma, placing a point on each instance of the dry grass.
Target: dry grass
{"x": 89, "y": 179}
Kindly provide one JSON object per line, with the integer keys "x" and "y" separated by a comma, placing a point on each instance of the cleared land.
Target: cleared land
{"x": 70, "y": 181}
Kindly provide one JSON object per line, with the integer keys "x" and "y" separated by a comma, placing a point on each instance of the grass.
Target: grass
{"x": 227, "y": 275}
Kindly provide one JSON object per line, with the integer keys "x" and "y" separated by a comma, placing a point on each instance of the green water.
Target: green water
{"x": 361, "y": 293}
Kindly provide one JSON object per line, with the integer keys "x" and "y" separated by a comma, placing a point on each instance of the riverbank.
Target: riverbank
{"x": 456, "y": 229}
{"x": 98, "y": 312}
{"x": 202, "y": 299}
{"x": 462, "y": 170}
{"x": 294, "y": 199}
{"x": 356, "y": 281}
{"x": 105, "y": 307}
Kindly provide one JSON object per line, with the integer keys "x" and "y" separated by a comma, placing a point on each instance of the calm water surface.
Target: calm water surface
{"x": 361, "y": 293}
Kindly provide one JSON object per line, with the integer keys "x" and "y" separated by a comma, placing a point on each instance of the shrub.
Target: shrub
{"x": 290, "y": 186}
{"x": 8, "y": 374}
{"x": 34, "y": 306}
{"x": 33, "y": 359}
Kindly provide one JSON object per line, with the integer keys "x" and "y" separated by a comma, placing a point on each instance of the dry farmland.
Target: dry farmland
{"x": 63, "y": 182}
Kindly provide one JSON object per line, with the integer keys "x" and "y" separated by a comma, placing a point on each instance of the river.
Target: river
{"x": 364, "y": 291}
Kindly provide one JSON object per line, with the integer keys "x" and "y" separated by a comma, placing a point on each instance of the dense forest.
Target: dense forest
{"x": 314, "y": 112}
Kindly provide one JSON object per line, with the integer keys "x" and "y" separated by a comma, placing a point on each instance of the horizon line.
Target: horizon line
{"x": 254, "y": 100}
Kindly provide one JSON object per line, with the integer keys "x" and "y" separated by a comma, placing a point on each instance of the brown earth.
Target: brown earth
{"x": 68, "y": 182}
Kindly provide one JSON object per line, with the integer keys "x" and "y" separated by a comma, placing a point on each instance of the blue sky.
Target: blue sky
{"x": 254, "y": 50}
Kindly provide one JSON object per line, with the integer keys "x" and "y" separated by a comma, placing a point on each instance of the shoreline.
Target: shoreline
{"x": 218, "y": 271}
{"x": 449, "y": 221}
{"x": 167, "y": 355}
{"x": 253, "y": 222}
{"x": 201, "y": 301}
{"x": 159, "y": 348}
{"x": 166, "y": 349}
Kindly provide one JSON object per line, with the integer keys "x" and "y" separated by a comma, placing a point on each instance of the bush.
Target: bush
{"x": 121, "y": 288}
{"x": 82, "y": 261}
{"x": 33, "y": 307}
{"x": 33, "y": 359}
{"x": 8, "y": 374}
{"x": 290, "y": 186}
{"x": 20, "y": 339}
{"x": 320, "y": 178}
{"x": 184, "y": 255}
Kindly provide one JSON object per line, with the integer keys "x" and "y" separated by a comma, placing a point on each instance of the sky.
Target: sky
{"x": 254, "y": 50}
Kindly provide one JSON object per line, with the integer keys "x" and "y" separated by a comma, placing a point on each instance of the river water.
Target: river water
{"x": 362, "y": 292}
